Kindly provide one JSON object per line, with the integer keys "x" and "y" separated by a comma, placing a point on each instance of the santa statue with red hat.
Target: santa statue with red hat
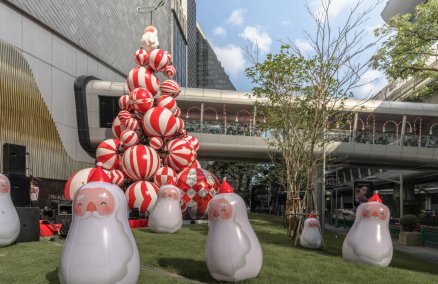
{"x": 369, "y": 240}
{"x": 233, "y": 251}
{"x": 100, "y": 247}
{"x": 311, "y": 235}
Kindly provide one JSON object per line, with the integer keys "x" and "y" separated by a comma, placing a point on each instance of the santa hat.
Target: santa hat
{"x": 99, "y": 175}
{"x": 149, "y": 29}
{"x": 311, "y": 215}
{"x": 226, "y": 187}
{"x": 375, "y": 197}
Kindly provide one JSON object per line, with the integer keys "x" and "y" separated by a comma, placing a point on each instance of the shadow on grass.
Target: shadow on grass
{"x": 200, "y": 228}
{"x": 193, "y": 269}
{"x": 53, "y": 277}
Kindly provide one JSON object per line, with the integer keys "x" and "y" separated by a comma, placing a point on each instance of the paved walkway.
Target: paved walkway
{"x": 427, "y": 253}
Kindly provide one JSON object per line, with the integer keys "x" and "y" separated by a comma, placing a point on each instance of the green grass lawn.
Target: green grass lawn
{"x": 164, "y": 257}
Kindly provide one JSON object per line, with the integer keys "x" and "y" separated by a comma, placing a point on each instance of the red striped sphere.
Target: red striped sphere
{"x": 123, "y": 116}
{"x": 106, "y": 153}
{"x": 117, "y": 127}
{"x": 131, "y": 124}
{"x": 156, "y": 143}
{"x": 141, "y": 100}
{"x": 198, "y": 187}
{"x": 177, "y": 112}
{"x": 170, "y": 88}
{"x": 170, "y": 71}
{"x": 180, "y": 154}
{"x": 142, "y": 195}
{"x": 142, "y": 77}
{"x": 180, "y": 124}
{"x": 194, "y": 141}
{"x": 160, "y": 122}
{"x": 165, "y": 175}
{"x": 141, "y": 57}
{"x": 116, "y": 177}
{"x": 129, "y": 138}
{"x": 196, "y": 164}
{"x": 124, "y": 102}
{"x": 140, "y": 162}
{"x": 167, "y": 102}
{"x": 158, "y": 59}
{"x": 75, "y": 181}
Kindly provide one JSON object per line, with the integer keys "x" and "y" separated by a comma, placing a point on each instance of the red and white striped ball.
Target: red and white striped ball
{"x": 194, "y": 141}
{"x": 142, "y": 77}
{"x": 117, "y": 127}
{"x": 116, "y": 177}
{"x": 170, "y": 88}
{"x": 141, "y": 57}
{"x": 180, "y": 154}
{"x": 124, "y": 102}
{"x": 75, "y": 181}
{"x": 159, "y": 121}
{"x": 107, "y": 154}
{"x": 131, "y": 124}
{"x": 140, "y": 162}
{"x": 129, "y": 138}
{"x": 141, "y": 100}
{"x": 165, "y": 175}
{"x": 180, "y": 124}
{"x": 196, "y": 165}
{"x": 156, "y": 143}
{"x": 170, "y": 71}
{"x": 177, "y": 112}
{"x": 123, "y": 116}
{"x": 158, "y": 59}
{"x": 142, "y": 195}
{"x": 167, "y": 102}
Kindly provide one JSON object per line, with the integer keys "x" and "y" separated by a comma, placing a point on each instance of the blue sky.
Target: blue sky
{"x": 229, "y": 24}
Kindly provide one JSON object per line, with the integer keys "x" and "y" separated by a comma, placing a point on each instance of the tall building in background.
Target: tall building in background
{"x": 210, "y": 73}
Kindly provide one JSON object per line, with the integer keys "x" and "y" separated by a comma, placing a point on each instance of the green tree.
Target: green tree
{"x": 301, "y": 94}
{"x": 410, "y": 46}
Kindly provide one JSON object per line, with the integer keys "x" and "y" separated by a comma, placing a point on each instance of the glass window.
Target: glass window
{"x": 108, "y": 110}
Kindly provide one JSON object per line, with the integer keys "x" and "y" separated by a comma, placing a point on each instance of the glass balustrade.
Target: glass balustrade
{"x": 336, "y": 135}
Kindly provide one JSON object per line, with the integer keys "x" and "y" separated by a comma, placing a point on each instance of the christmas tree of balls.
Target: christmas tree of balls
{"x": 151, "y": 146}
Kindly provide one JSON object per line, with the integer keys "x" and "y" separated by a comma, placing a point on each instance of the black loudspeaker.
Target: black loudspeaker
{"x": 60, "y": 219}
{"x": 30, "y": 224}
{"x": 20, "y": 190}
{"x": 14, "y": 159}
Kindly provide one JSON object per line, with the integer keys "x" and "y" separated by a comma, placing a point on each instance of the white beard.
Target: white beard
{"x": 97, "y": 250}
{"x": 227, "y": 248}
{"x": 311, "y": 238}
{"x": 370, "y": 242}
{"x": 166, "y": 217}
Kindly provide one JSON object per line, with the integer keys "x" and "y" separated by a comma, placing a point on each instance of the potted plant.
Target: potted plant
{"x": 408, "y": 234}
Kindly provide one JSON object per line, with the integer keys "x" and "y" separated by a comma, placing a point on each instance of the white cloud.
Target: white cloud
{"x": 262, "y": 39}
{"x": 219, "y": 31}
{"x": 236, "y": 17}
{"x": 374, "y": 81}
{"x": 232, "y": 59}
{"x": 336, "y": 6}
{"x": 303, "y": 45}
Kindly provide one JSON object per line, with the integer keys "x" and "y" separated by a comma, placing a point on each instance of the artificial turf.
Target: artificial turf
{"x": 164, "y": 258}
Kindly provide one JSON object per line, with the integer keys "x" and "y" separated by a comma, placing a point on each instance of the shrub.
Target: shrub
{"x": 408, "y": 223}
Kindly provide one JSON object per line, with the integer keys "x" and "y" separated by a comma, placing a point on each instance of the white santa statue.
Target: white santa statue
{"x": 99, "y": 247}
{"x": 311, "y": 235}
{"x": 166, "y": 216}
{"x": 149, "y": 40}
{"x": 233, "y": 251}
{"x": 369, "y": 240}
{"x": 9, "y": 222}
